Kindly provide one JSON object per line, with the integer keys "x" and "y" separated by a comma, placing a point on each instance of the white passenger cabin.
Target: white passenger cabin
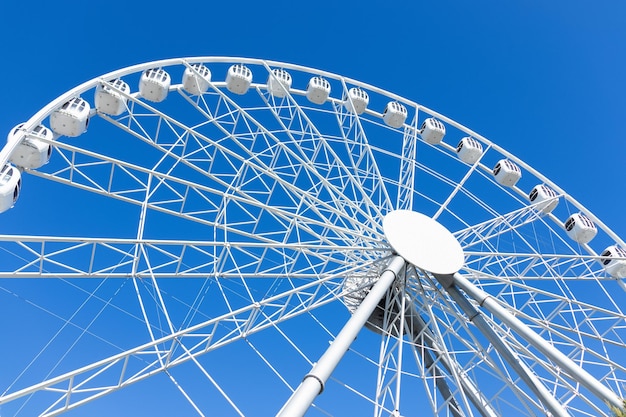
{"x": 580, "y": 228}
{"x": 110, "y": 97}
{"x": 10, "y": 183}
{"x": 432, "y": 131}
{"x": 279, "y": 82}
{"x": 507, "y": 173}
{"x": 615, "y": 267}
{"x": 196, "y": 79}
{"x": 154, "y": 84}
{"x": 318, "y": 90}
{"x": 395, "y": 114}
{"x": 31, "y": 153}
{"x": 356, "y": 100}
{"x": 238, "y": 79}
{"x": 72, "y": 118}
{"x": 469, "y": 150}
{"x": 543, "y": 198}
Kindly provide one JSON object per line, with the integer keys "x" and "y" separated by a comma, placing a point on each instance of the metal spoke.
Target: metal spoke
{"x": 209, "y": 235}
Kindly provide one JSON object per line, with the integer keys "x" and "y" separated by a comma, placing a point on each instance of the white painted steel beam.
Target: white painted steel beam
{"x": 476, "y": 317}
{"x": 569, "y": 366}
{"x": 313, "y": 383}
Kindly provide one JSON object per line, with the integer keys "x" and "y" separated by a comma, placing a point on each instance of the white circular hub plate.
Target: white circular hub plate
{"x": 423, "y": 242}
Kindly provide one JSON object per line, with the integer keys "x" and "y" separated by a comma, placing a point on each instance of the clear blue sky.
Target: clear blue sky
{"x": 544, "y": 80}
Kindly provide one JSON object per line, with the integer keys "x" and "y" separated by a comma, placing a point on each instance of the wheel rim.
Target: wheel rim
{"x": 274, "y": 206}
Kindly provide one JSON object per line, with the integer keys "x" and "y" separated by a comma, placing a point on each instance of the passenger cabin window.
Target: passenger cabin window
{"x": 6, "y": 174}
{"x": 16, "y": 191}
{"x": 201, "y": 69}
{"x": 548, "y": 191}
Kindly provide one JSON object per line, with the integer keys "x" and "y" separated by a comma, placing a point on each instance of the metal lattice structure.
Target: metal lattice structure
{"x": 219, "y": 236}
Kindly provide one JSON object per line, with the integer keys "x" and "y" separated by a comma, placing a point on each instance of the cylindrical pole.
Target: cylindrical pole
{"x": 539, "y": 389}
{"x": 419, "y": 327}
{"x": 568, "y": 365}
{"x": 313, "y": 383}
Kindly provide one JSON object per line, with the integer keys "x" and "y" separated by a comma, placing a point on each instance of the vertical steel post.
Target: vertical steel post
{"x": 313, "y": 383}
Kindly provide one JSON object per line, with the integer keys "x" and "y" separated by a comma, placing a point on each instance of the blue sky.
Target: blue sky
{"x": 544, "y": 80}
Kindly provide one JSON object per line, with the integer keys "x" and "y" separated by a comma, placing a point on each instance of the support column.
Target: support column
{"x": 531, "y": 380}
{"x": 313, "y": 383}
{"x": 555, "y": 355}
{"x": 419, "y": 326}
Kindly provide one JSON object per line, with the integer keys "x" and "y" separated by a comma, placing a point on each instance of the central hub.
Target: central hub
{"x": 423, "y": 242}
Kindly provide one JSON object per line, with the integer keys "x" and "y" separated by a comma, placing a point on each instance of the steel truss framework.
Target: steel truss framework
{"x": 226, "y": 238}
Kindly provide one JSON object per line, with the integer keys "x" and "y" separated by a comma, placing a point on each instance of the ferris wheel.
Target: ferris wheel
{"x": 220, "y": 236}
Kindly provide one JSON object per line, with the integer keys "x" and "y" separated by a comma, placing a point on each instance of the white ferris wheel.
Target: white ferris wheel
{"x": 208, "y": 236}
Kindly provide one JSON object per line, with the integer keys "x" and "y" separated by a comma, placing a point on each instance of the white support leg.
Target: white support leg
{"x": 419, "y": 327}
{"x": 313, "y": 383}
{"x": 555, "y": 355}
{"x": 531, "y": 380}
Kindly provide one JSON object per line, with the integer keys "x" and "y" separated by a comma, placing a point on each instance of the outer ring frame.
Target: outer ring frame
{"x": 44, "y": 112}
